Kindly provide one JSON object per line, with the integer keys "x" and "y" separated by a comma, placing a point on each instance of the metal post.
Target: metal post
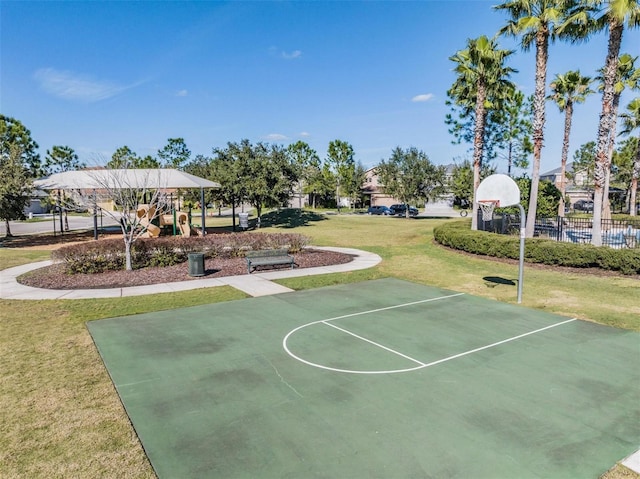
{"x": 523, "y": 222}
{"x": 95, "y": 215}
{"x": 204, "y": 210}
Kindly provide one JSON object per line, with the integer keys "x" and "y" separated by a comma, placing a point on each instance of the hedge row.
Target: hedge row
{"x": 109, "y": 254}
{"x": 459, "y": 236}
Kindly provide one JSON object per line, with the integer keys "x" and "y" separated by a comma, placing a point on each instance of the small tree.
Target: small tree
{"x": 630, "y": 123}
{"x": 410, "y": 176}
{"x": 175, "y": 154}
{"x": 15, "y": 186}
{"x": 342, "y": 165}
{"x": 128, "y": 191}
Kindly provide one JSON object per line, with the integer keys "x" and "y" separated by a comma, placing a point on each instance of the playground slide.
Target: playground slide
{"x": 184, "y": 226}
{"x": 152, "y": 231}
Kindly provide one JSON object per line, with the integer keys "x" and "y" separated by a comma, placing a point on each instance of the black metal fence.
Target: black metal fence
{"x": 615, "y": 233}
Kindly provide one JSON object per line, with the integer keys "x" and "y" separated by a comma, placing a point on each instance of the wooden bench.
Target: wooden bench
{"x": 268, "y": 257}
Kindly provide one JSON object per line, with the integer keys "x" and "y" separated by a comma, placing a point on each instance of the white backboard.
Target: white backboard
{"x": 500, "y": 188}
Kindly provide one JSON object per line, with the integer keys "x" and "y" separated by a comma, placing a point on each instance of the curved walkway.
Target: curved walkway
{"x": 255, "y": 284}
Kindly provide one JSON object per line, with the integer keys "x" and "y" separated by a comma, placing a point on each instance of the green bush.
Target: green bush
{"x": 109, "y": 254}
{"x": 458, "y": 235}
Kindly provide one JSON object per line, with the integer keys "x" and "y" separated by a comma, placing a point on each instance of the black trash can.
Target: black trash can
{"x": 196, "y": 264}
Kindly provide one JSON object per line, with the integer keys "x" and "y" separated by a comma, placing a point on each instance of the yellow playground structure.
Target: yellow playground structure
{"x": 153, "y": 222}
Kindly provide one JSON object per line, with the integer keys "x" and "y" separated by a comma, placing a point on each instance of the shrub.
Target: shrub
{"x": 109, "y": 254}
{"x": 458, "y": 235}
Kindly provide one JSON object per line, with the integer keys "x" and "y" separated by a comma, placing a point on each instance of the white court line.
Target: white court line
{"x": 374, "y": 343}
{"x": 498, "y": 343}
{"x": 386, "y": 308}
{"x": 421, "y": 365}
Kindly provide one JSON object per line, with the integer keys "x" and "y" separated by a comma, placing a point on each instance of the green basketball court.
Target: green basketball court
{"x": 385, "y": 379}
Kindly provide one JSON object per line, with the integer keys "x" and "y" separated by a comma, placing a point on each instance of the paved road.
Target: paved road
{"x": 47, "y": 225}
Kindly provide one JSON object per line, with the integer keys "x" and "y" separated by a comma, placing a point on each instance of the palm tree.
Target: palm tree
{"x": 537, "y": 22}
{"x": 627, "y": 77}
{"x": 482, "y": 81}
{"x": 631, "y": 122}
{"x": 567, "y": 89}
{"x": 613, "y": 15}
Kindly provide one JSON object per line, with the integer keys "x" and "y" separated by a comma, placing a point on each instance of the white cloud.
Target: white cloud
{"x": 182, "y": 93}
{"x": 275, "y": 51}
{"x": 305, "y": 134}
{"x": 290, "y": 56}
{"x": 423, "y": 97}
{"x": 74, "y": 86}
{"x": 275, "y": 137}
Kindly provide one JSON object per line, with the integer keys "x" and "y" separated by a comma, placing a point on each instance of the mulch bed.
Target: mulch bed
{"x": 55, "y": 277}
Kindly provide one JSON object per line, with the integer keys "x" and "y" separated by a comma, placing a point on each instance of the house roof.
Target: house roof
{"x": 556, "y": 171}
{"x": 162, "y": 178}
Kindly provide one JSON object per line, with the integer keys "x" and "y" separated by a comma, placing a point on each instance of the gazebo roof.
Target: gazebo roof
{"x": 162, "y": 178}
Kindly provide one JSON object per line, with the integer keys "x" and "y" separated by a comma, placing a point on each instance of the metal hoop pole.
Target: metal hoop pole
{"x": 523, "y": 221}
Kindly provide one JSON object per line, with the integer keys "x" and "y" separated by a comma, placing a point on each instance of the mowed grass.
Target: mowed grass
{"x": 61, "y": 416}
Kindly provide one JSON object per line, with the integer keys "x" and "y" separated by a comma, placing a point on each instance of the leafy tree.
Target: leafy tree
{"x": 631, "y": 123}
{"x": 175, "y": 154}
{"x": 123, "y": 157}
{"x": 567, "y": 89}
{"x": 627, "y": 77}
{"x": 537, "y": 22}
{"x": 460, "y": 183}
{"x": 613, "y": 15}
{"x": 507, "y": 133}
{"x": 202, "y": 166}
{"x": 410, "y": 176}
{"x": 481, "y": 83}
{"x": 13, "y": 132}
{"x": 548, "y": 196}
{"x": 15, "y": 185}
{"x": 583, "y": 163}
{"x": 262, "y": 175}
{"x": 306, "y": 161}
{"x": 61, "y": 158}
{"x": 514, "y": 129}
{"x": 342, "y": 165}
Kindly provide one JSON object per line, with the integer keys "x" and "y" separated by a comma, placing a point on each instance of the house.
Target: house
{"x": 577, "y": 183}
{"x": 374, "y": 194}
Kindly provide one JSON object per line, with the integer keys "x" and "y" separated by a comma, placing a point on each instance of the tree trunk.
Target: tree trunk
{"x": 605, "y": 128}
{"x": 568, "y": 114}
{"x": 127, "y": 255}
{"x": 606, "y": 203}
{"x": 539, "y": 98}
{"x": 8, "y": 227}
{"x": 478, "y": 147}
{"x": 634, "y": 182}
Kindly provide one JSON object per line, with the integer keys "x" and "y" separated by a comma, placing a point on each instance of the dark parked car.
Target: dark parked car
{"x": 583, "y": 205}
{"x": 379, "y": 210}
{"x": 401, "y": 210}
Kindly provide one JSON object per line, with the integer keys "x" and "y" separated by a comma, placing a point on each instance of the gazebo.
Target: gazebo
{"x": 143, "y": 178}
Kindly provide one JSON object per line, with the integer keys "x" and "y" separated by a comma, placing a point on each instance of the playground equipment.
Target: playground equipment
{"x": 179, "y": 220}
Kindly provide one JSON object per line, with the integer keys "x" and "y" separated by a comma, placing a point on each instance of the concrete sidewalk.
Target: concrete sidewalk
{"x": 255, "y": 284}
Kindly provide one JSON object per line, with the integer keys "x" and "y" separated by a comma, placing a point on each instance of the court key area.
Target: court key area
{"x": 384, "y": 378}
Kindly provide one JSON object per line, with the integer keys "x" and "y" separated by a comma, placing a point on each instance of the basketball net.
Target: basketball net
{"x": 487, "y": 207}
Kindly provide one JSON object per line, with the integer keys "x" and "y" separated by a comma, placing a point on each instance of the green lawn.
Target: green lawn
{"x": 61, "y": 416}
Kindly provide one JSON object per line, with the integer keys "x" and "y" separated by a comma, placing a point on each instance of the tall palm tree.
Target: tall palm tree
{"x": 566, "y": 90}
{"x": 537, "y": 22}
{"x": 482, "y": 81}
{"x": 627, "y": 76}
{"x": 631, "y": 122}
{"x": 613, "y": 15}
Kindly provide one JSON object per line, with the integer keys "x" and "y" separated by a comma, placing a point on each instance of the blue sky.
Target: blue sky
{"x": 100, "y": 75}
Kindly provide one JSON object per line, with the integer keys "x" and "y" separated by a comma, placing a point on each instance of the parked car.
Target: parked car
{"x": 401, "y": 210}
{"x": 583, "y": 205}
{"x": 379, "y": 210}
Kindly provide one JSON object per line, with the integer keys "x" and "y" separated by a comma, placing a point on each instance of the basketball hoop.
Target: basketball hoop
{"x": 487, "y": 207}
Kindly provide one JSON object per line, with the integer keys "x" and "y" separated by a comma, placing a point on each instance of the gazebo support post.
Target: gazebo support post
{"x": 204, "y": 210}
